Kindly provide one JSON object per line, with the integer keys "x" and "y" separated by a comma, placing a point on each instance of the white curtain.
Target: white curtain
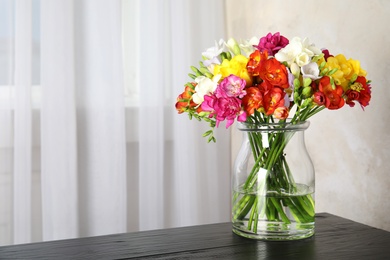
{"x": 90, "y": 142}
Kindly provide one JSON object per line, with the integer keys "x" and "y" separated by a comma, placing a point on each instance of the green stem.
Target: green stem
{"x": 278, "y": 177}
{"x": 280, "y": 210}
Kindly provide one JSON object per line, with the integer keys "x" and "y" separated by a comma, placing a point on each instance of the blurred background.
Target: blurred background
{"x": 91, "y": 143}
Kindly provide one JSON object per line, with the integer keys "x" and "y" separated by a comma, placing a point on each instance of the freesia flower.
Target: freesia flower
{"x": 311, "y": 71}
{"x": 333, "y": 96}
{"x": 247, "y": 46}
{"x": 253, "y": 100}
{"x": 274, "y": 72}
{"x": 271, "y": 78}
{"x": 204, "y": 86}
{"x": 253, "y": 65}
{"x": 236, "y": 66}
{"x": 184, "y": 101}
{"x": 346, "y": 69}
{"x": 319, "y": 98}
{"x": 272, "y": 99}
{"x": 272, "y": 43}
{"x": 298, "y": 51}
{"x": 224, "y": 108}
{"x": 270, "y": 69}
{"x": 295, "y": 69}
{"x": 232, "y": 86}
{"x": 359, "y": 91}
{"x": 211, "y": 55}
{"x": 281, "y": 112}
{"x": 326, "y": 54}
{"x": 233, "y": 46}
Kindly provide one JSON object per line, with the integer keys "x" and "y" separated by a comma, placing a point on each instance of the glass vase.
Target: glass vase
{"x": 273, "y": 183}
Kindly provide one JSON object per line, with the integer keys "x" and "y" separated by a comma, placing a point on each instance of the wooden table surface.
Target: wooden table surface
{"x": 335, "y": 238}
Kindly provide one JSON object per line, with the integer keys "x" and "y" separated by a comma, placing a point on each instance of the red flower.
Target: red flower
{"x": 333, "y": 97}
{"x": 319, "y": 98}
{"x": 252, "y": 100}
{"x": 359, "y": 91}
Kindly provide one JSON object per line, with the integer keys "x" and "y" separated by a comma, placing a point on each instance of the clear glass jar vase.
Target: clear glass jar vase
{"x": 273, "y": 183}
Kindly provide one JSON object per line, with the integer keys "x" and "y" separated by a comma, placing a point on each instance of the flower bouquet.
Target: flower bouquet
{"x": 270, "y": 85}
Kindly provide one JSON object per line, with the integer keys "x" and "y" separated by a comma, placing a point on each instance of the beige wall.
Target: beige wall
{"x": 350, "y": 148}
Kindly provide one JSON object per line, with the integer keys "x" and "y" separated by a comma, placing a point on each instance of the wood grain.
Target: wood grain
{"x": 335, "y": 238}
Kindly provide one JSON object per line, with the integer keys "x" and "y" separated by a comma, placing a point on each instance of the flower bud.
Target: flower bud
{"x": 233, "y": 46}
{"x": 306, "y": 92}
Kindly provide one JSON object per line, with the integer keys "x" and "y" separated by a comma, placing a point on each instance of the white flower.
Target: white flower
{"x": 310, "y": 70}
{"x": 233, "y": 46}
{"x": 297, "y": 51}
{"x": 302, "y": 59}
{"x": 247, "y": 46}
{"x": 294, "y": 69}
{"x": 204, "y": 87}
{"x": 290, "y": 51}
{"x": 212, "y": 54}
{"x": 309, "y": 48}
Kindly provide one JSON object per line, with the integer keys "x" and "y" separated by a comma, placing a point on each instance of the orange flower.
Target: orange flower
{"x": 184, "y": 100}
{"x": 281, "y": 112}
{"x": 273, "y": 98}
{"x": 253, "y": 65}
{"x": 274, "y": 72}
{"x": 252, "y": 100}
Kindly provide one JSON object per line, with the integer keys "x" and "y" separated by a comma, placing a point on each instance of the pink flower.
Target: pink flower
{"x": 272, "y": 43}
{"x": 224, "y": 108}
{"x": 231, "y": 86}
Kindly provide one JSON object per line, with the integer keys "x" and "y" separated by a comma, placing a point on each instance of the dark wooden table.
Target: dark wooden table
{"x": 336, "y": 238}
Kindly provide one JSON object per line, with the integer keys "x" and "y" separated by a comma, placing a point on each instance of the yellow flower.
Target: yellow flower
{"x": 236, "y": 66}
{"x": 357, "y": 69}
{"x": 346, "y": 69}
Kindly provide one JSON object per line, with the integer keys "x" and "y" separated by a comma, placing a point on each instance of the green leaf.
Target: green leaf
{"x": 211, "y": 138}
{"x": 207, "y": 133}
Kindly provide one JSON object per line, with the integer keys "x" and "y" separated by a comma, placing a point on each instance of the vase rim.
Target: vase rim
{"x": 285, "y": 125}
